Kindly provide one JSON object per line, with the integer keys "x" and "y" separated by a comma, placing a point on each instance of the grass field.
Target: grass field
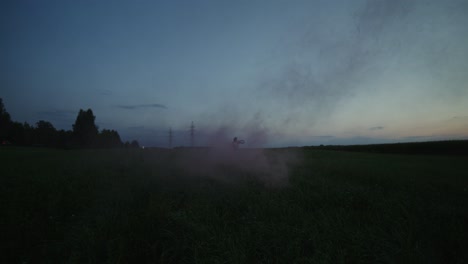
{"x": 187, "y": 206}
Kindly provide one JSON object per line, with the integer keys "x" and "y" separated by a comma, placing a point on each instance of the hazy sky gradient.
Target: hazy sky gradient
{"x": 275, "y": 73}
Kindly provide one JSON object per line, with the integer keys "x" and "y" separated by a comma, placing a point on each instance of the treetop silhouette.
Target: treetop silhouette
{"x": 85, "y": 133}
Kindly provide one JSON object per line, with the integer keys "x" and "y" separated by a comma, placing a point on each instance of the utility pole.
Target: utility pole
{"x": 170, "y": 137}
{"x": 192, "y": 134}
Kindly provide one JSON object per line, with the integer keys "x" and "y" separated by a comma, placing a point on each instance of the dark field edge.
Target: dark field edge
{"x": 446, "y": 147}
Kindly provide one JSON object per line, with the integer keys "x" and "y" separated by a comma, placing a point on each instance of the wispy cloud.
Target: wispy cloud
{"x": 323, "y": 137}
{"x": 60, "y": 118}
{"x": 105, "y": 92}
{"x": 56, "y": 113}
{"x": 460, "y": 117}
{"x": 376, "y": 128}
{"x": 133, "y": 107}
{"x": 136, "y": 127}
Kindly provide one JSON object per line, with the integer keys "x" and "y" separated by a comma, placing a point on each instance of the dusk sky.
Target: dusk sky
{"x": 275, "y": 73}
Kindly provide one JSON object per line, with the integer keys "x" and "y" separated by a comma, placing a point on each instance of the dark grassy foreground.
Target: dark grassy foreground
{"x": 140, "y": 206}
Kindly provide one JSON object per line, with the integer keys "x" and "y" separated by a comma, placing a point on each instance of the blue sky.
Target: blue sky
{"x": 275, "y": 73}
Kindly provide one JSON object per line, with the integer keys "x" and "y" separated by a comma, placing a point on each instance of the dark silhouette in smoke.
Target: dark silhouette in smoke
{"x": 235, "y": 143}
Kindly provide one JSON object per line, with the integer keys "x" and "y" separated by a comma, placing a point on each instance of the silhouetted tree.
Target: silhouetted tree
{"x": 16, "y": 133}
{"x": 135, "y": 144}
{"x": 5, "y": 123}
{"x": 46, "y": 134}
{"x": 64, "y": 138}
{"x": 21, "y": 134}
{"x": 109, "y": 139}
{"x": 45, "y": 125}
{"x": 28, "y": 134}
{"x": 85, "y": 131}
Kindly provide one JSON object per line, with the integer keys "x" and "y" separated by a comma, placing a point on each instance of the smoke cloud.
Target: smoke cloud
{"x": 217, "y": 158}
{"x": 333, "y": 59}
{"x": 270, "y": 168}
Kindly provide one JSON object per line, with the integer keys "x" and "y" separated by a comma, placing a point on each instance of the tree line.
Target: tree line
{"x": 85, "y": 133}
